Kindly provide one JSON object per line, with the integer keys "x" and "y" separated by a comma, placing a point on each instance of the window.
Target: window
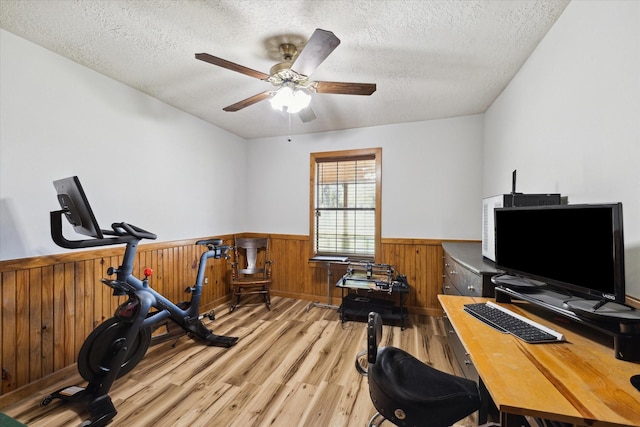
{"x": 345, "y": 203}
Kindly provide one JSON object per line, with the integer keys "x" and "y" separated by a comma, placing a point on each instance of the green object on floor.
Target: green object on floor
{"x": 7, "y": 421}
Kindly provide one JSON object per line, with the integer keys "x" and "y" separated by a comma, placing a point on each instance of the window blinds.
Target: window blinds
{"x": 345, "y": 202}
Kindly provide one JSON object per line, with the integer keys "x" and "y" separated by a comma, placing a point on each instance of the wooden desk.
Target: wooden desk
{"x": 578, "y": 382}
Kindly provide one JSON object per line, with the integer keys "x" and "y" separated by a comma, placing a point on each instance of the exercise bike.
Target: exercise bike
{"x": 118, "y": 344}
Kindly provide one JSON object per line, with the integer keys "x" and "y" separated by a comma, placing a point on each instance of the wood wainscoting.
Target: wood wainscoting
{"x": 51, "y": 303}
{"x": 418, "y": 259}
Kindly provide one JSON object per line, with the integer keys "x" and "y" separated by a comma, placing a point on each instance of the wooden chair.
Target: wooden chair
{"x": 250, "y": 270}
{"x": 407, "y": 392}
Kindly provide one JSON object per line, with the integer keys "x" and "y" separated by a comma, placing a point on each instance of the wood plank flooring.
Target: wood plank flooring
{"x": 290, "y": 367}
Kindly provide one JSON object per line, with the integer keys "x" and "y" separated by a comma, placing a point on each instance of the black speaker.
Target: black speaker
{"x": 627, "y": 347}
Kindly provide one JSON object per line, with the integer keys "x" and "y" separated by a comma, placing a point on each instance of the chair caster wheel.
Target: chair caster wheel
{"x": 211, "y": 315}
{"x": 46, "y": 400}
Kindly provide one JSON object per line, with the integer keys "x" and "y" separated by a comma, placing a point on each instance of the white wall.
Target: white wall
{"x": 430, "y": 178}
{"x": 149, "y": 164}
{"x": 569, "y": 122}
{"x": 139, "y": 160}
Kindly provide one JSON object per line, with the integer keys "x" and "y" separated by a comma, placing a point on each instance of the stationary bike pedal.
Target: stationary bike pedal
{"x": 211, "y": 315}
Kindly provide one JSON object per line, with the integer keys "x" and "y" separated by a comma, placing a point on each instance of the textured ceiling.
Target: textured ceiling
{"x": 429, "y": 59}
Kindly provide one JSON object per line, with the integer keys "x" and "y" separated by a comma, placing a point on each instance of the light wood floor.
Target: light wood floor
{"x": 290, "y": 367}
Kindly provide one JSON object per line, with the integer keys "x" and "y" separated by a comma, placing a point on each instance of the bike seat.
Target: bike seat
{"x": 207, "y": 242}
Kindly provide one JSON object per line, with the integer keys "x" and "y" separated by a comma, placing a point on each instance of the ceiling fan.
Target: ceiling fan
{"x": 291, "y": 77}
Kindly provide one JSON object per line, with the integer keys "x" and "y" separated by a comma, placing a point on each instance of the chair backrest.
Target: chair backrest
{"x": 374, "y": 335}
{"x": 251, "y": 257}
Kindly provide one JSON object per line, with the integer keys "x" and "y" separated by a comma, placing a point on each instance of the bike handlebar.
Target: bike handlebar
{"x": 132, "y": 230}
{"x": 123, "y": 232}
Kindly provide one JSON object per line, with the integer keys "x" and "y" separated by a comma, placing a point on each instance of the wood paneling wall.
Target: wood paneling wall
{"x": 51, "y": 303}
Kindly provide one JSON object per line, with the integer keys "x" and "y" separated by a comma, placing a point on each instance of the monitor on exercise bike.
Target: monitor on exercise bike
{"x": 76, "y": 207}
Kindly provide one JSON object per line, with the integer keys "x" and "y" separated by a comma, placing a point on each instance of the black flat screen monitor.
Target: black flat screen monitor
{"x": 579, "y": 248}
{"x": 76, "y": 207}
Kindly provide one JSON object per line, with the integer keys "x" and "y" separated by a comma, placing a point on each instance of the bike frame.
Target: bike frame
{"x": 127, "y": 283}
{"x": 149, "y": 298}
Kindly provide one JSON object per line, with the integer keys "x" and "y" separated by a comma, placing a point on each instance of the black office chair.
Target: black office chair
{"x": 408, "y": 392}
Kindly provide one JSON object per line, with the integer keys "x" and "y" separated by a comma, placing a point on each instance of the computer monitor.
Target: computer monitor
{"x": 76, "y": 207}
{"x": 579, "y": 248}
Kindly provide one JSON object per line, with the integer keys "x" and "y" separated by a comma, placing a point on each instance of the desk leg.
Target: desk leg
{"x": 328, "y": 304}
{"x": 401, "y": 311}
{"x": 512, "y": 420}
{"x": 485, "y": 398}
{"x": 488, "y": 409}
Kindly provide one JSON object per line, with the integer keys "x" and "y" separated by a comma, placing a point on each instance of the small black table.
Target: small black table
{"x": 363, "y": 288}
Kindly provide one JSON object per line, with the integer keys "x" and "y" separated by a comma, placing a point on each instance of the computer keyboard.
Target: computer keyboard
{"x": 507, "y": 321}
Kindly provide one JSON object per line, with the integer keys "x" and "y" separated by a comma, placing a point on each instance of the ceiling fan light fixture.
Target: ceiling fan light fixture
{"x": 293, "y": 88}
{"x": 290, "y": 100}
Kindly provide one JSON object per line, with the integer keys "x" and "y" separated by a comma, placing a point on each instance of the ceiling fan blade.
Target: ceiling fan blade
{"x": 307, "y": 115}
{"x": 345, "y": 88}
{"x": 320, "y": 45}
{"x": 249, "y": 101}
{"x": 231, "y": 66}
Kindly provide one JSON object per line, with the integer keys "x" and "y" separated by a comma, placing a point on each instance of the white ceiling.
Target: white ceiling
{"x": 429, "y": 59}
